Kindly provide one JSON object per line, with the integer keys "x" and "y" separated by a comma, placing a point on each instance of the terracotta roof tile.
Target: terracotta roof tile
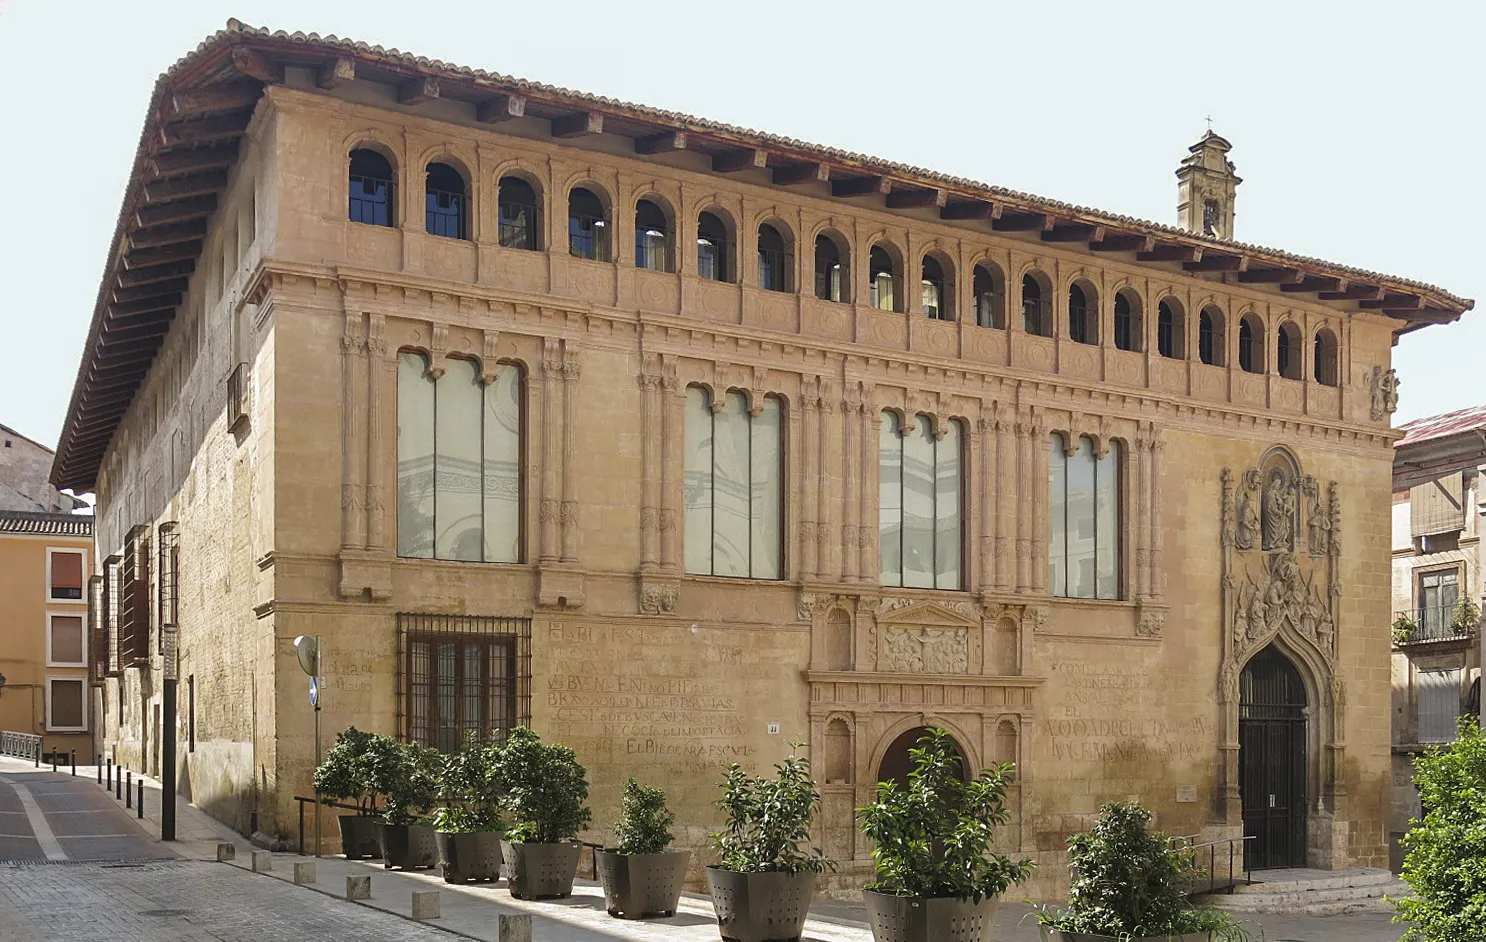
{"x": 1442, "y": 426}
{"x": 15, "y": 521}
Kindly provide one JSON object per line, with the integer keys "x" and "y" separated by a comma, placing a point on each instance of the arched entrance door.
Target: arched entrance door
{"x": 896, "y": 762}
{"x": 1272, "y": 760}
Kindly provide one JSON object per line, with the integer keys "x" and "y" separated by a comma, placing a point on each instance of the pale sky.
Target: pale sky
{"x": 1357, "y": 127}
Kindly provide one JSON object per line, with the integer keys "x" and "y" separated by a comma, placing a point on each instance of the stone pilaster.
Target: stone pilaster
{"x": 353, "y": 433}
{"x": 571, "y": 375}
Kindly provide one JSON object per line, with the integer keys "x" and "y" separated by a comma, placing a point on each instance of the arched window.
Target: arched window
{"x": 1083, "y": 324}
{"x": 884, "y": 284}
{"x": 588, "y": 225}
{"x": 988, "y": 310}
{"x": 1127, "y": 327}
{"x": 1171, "y": 330}
{"x": 1325, "y": 368}
{"x": 920, "y": 519}
{"x": 937, "y": 296}
{"x": 1211, "y": 337}
{"x": 516, "y": 202}
{"x": 1036, "y": 318}
{"x": 774, "y": 259}
{"x": 1251, "y": 344}
{"x": 371, "y": 188}
{"x": 830, "y": 269}
{"x": 459, "y": 481}
{"x": 448, "y": 203}
{"x": 714, "y": 249}
{"x": 652, "y": 237}
{"x": 734, "y": 487}
{"x": 1288, "y": 356}
{"x": 1084, "y": 520}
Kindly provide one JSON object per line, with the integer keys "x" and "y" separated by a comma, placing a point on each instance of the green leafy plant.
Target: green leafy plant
{"x": 470, "y": 790}
{"x": 1128, "y": 882}
{"x": 644, "y": 825}
{"x": 933, "y": 838}
{"x": 1404, "y": 629}
{"x": 768, "y": 820}
{"x": 340, "y": 775}
{"x": 545, "y": 789}
{"x": 1467, "y": 614}
{"x": 1446, "y": 862}
{"x": 405, "y": 773}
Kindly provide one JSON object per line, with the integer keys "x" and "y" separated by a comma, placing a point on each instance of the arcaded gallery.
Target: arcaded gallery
{"x": 541, "y": 408}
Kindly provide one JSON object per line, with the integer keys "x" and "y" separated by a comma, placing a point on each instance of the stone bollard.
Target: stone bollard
{"x": 226, "y": 852}
{"x": 425, "y": 905}
{"x": 262, "y": 861}
{"x": 513, "y": 927}
{"x": 358, "y": 887}
{"x": 304, "y": 872}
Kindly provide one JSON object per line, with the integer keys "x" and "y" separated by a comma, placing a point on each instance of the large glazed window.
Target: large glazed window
{"x": 1083, "y": 520}
{"x": 459, "y": 482}
{"x": 588, "y": 225}
{"x": 734, "y": 487}
{"x": 652, "y": 237}
{"x": 920, "y": 508}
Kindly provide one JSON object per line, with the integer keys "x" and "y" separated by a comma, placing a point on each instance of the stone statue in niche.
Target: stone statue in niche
{"x": 1384, "y": 389}
{"x": 1248, "y": 511}
{"x": 1317, "y": 518}
{"x": 1279, "y": 512}
{"x": 913, "y": 650}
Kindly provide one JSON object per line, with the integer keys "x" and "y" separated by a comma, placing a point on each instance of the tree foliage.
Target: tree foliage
{"x": 341, "y": 776}
{"x": 933, "y": 838}
{"x": 406, "y": 774}
{"x": 544, "y": 789}
{"x": 644, "y": 825}
{"x": 768, "y": 820}
{"x": 1446, "y": 862}
{"x": 470, "y": 787}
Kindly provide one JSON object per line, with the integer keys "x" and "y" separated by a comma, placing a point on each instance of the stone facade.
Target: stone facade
{"x": 1234, "y": 486}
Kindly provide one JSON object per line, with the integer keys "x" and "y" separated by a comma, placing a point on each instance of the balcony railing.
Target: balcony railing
{"x": 1430, "y": 623}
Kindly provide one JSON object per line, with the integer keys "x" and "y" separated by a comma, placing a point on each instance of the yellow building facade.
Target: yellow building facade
{"x": 681, "y": 443}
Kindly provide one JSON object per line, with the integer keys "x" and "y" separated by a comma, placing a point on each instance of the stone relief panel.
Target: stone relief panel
{"x": 1383, "y": 392}
{"x": 912, "y": 650}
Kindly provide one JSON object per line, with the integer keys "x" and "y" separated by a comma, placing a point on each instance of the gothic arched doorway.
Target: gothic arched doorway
{"x": 1272, "y": 760}
{"x": 896, "y": 762}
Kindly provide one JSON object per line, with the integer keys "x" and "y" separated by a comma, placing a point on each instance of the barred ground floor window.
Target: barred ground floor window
{"x": 462, "y": 673}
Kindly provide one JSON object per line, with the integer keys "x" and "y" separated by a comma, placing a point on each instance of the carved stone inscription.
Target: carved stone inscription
{"x": 1097, "y": 719}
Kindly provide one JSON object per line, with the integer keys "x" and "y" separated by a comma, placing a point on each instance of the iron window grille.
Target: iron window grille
{"x": 445, "y": 215}
{"x": 134, "y": 626}
{"x": 371, "y": 200}
{"x": 113, "y": 591}
{"x": 461, "y": 673}
{"x": 588, "y": 237}
{"x": 169, "y": 591}
{"x": 98, "y": 653}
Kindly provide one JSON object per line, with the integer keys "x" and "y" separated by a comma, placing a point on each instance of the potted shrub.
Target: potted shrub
{"x": 406, "y": 774}
{"x": 467, "y": 823}
{"x": 339, "y": 777}
{"x": 1467, "y": 615}
{"x": 762, "y": 886}
{"x": 545, "y": 788}
{"x": 1404, "y": 629}
{"x": 1127, "y": 884}
{"x": 640, "y": 877}
{"x": 938, "y": 880}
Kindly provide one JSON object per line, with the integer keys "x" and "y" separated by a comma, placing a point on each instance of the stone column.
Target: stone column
{"x": 353, "y": 434}
{"x": 985, "y": 496}
{"x": 671, "y": 453}
{"x": 1142, "y": 526}
{"x": 381, "y": 373}
{"x": 549, "y": 509}
{"x": 1039, "y": 523}
{"x": 1158, "y": 569}
{"x": 851, "y": 408}
{"x": 650, "y": 452}
{"x": 809, "y": 476}
{"x": 828, "y": 513}
{"x": 867, "y": 531}
{"x": 1023, "y": 524}
{"x": 571, "y": 372}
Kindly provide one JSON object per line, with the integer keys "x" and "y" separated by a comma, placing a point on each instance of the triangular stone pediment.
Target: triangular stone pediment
{"x": 927, "y": 612}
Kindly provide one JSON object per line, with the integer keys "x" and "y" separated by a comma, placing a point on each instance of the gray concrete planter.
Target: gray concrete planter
{"x": 408, "y": 846}
{"x": 1058, "y": 935}
{"x": 467, "y": 856}
{"x": 359, "y": 838}
{"x": 639, "y": 885}
{"x": 541, "y": 871}
{"x": 911, "y": 919}
{"x": 760, "y": 907}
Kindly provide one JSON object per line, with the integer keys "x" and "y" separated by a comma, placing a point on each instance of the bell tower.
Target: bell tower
{"x": 1205, "y": 188}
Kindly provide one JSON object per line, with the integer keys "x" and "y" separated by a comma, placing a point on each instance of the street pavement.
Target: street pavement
{"x": 132, "y": 887}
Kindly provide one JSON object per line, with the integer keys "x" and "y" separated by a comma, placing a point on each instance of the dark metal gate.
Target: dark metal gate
{"x": 1271, "y": 757}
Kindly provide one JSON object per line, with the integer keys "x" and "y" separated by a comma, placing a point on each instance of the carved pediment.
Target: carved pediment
{"x": 927, "y": 613}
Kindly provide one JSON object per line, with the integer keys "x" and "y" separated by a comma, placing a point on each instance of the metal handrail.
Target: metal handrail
{"x": 1213, "y": 883}
{"x": 20, "y": 745}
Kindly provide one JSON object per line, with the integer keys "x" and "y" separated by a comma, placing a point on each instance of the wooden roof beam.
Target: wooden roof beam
{"x": 254, "y": 64}
{"x": 1271, "y": 276}
{"x": 1073, "y": 232}
{"x": 173, "y": 286}
{"x": 195, "y": 160}
{"x": 1122, "y": 242}
{"x": 861, "y": 186}
{"x": 500, "y": 108}
{"x": 1428, "y": 315}
{"x": 970, "y": 209}
{"x": 1023, "y": 222}
{"x": 199, "y": 184}
{"x": 801, "y": 173}
{"x": 665, "y": 143}
{"x": 581, "y": 124}
{"x": 1393, "y": 301}
{"x": 915, "y": 199}
{"x": 1170, "y": 253}
{"x": 144, "y": 275}
{"x": 197, "y": 207}
{"x": 341, "y": 71}
{"x": 148, "y": 258}
{"x": 167, "y": 234}
{"x": 418, "y": 91}
{"x": 1311, "y": 283}
{"x": 198, "y": 101}
{"x": 746, "y": 158}
{"x": 164, "y": 302}
{"x": 207, "y": 130}
{"x": 1217, "y": 262}
{"x": 1353, "y": 293}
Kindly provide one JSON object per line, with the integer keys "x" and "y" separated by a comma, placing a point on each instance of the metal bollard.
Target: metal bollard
{"x": 54, "y": 759}
{"x": 74, "y": 762}
{"x": 139, "y": 803}
{"x": 129, "y": 788}
{"x": 98, "y": 770}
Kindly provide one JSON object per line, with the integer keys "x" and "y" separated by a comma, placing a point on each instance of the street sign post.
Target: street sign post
{"x": 308, "y": 650}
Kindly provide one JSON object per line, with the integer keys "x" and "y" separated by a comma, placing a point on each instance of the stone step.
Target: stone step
{"x": 1327, "y": 896}
{"x": 1372, "y": 876}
